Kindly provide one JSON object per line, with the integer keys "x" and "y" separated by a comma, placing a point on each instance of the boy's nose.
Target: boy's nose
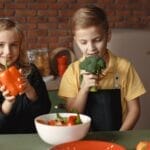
{"x": 91, "y": 47}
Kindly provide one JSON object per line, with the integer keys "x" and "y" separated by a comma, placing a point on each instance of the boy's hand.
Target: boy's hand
{"x": 89, "y": 80}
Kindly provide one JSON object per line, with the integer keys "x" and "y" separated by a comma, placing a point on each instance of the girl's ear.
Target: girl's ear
{"x": 109, "y": 36}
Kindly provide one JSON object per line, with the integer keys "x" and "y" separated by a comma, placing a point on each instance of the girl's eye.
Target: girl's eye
{"x": 15, "y": 45}
{"x": 83, "y": 42}
{"x": 1, "y": 44}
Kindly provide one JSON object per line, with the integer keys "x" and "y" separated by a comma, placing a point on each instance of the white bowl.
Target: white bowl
{"x": 61, "y": 134}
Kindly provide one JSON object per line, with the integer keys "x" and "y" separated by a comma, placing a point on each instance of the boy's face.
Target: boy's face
{"x": 9, "y": 47}
{"x": 92, "y": 40}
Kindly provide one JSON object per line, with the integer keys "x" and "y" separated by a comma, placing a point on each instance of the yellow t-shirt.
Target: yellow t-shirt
{"x": 120, "y": 73}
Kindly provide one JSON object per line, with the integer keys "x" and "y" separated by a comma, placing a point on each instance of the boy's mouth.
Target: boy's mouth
{"x": 93, "y": 54}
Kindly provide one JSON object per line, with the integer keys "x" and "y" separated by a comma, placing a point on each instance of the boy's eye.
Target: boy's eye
{"x": 98, "y": 39}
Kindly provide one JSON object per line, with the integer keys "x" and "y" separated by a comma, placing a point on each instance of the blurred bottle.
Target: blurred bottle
{"x": 61, "y": 64}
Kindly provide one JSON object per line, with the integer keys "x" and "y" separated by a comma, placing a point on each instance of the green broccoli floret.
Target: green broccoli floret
{"x": 94, "y": 65}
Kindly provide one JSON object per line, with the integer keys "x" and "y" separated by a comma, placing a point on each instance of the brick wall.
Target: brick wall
{"x": 45, "y": 22}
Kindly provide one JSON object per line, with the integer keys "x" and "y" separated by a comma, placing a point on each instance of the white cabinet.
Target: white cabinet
{"x": 135, "y": 46}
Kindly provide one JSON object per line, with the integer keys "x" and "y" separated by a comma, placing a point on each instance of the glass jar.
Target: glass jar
{"x": 40, "y": 57}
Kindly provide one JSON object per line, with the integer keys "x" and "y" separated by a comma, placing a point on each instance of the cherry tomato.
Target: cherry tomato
{"x": 71, "y": 120}
{"x": 55, "y": 123}
{"x": 52, "y": 122}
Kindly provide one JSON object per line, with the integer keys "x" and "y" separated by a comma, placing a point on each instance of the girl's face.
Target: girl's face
{"x": 92, "y": 40}
{"x": 9, "y": 47}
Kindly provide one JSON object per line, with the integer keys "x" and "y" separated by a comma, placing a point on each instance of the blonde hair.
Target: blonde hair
{"x": 8, "y": 24}
{"x": 89, "y": 16}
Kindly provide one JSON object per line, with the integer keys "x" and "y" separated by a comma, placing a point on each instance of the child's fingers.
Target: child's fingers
{"x": 2, "y": 88}
{"x": 6, "y": 93}
{"x": 25, "y": 86}
{"x": 21, "y": 70}
{"x": 22, "y": 73}
{"x": 22, "y": 79}
{"x": 82, "y": 72}
{"x": 10, "y": 98}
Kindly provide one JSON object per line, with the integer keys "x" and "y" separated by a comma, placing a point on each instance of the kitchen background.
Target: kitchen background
{"x": 45, "y": 24}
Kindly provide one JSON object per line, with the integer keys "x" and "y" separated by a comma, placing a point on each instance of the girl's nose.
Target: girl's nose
{"x": 7, "y": 50}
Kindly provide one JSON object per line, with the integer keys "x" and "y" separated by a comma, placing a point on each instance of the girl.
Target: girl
{"x": 116, "y": 104}
{"x": 17, "y": 113}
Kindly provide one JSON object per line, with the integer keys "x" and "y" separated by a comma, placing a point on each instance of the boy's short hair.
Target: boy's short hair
{"x": 89, "y": 16}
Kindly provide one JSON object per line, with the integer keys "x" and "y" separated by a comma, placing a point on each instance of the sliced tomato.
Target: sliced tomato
{"x": 56, "y": 123}
{"x": 52, "y": 122}
{"x": 65, "y": 121}
{"x": 42, "y": 121}
{"x": 71, "y": 120}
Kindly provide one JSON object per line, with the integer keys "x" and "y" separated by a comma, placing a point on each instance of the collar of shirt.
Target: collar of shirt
{"x": 111, "y": 66}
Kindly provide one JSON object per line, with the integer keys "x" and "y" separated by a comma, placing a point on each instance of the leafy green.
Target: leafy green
{"x": 64, "y": 120}
{"x": 78, "y": 120}
{"x": 94, "y": 65}
{"x": 60, "y": 118}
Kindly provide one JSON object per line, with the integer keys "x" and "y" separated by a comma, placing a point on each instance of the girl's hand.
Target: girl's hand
{"x": 27, "y": 88}
{"x": 25, "y": 83}
{"x": 6, "y": 94}
{"x": 89, "y": 80}
{"x": 8, "y": 100}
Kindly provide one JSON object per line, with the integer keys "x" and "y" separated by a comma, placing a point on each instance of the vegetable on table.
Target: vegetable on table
{"x": 143, "y": 145}
{"x": 94, "y": 65}
{"x": 65, "y": 121}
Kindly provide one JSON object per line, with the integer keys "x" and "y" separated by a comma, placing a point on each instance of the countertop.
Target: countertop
{"x": 129, "y": 139}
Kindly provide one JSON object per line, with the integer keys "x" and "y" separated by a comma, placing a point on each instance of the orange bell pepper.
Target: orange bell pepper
{"x": 16, "y": 75}
{"x": 9, "y": 78}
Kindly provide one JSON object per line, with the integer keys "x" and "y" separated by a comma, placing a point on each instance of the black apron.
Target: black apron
{"x": 104, "y": 107}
